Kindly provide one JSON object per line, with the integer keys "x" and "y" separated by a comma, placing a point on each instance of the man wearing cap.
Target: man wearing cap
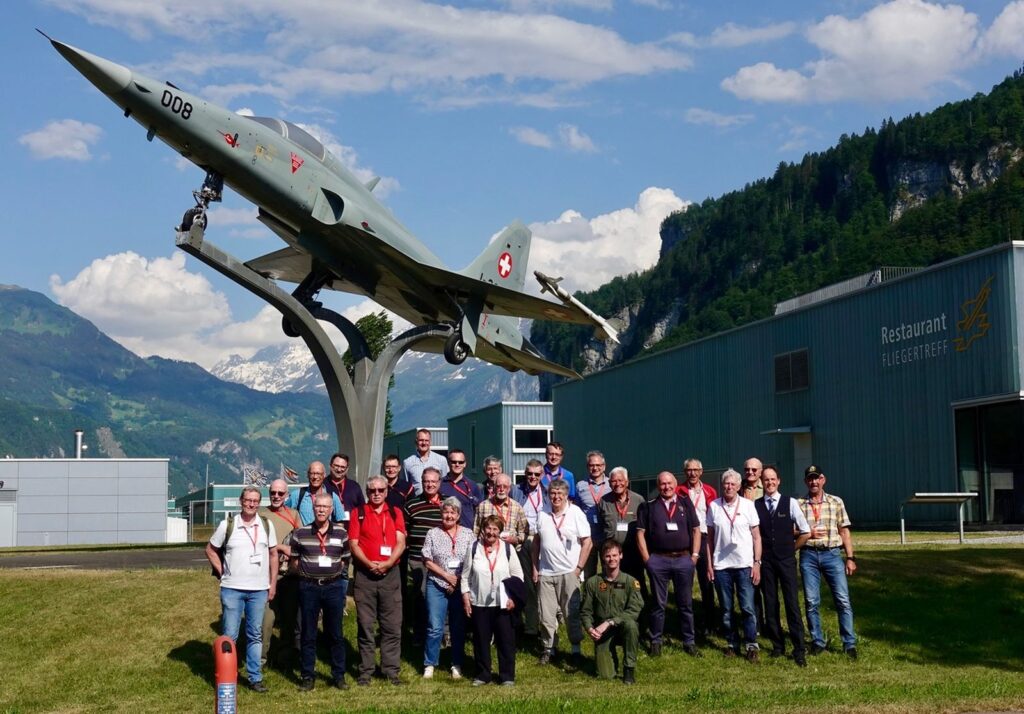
{"x": 319, "y": 557}
{"x": 784, "y": 530}
{"x": 412, "y": 467}
{"x": 822, "y": 557}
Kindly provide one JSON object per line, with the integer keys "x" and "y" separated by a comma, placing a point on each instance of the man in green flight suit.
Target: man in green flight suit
{"x": 609, "y": 612}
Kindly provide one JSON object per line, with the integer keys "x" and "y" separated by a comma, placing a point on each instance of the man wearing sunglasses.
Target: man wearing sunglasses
{"x": 283, "y": 608}
{"x": 457, "y": 485}
{"x": 821, "y": 557}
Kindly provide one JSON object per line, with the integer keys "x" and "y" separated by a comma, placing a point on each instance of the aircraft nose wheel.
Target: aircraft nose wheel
{"x": 195, "y": 215}
{"x": 455, "y": 350}
{"x": 288, "y": 328}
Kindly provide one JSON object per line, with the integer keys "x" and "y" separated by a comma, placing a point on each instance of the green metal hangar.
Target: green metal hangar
{"x": 891, "y": 385}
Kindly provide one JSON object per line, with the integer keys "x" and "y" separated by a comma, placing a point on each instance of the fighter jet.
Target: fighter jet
{"x": 337, "y": 234}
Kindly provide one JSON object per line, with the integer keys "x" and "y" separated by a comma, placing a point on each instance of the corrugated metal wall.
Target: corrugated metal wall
{"x": 879, "y": 412}
{"x": 479, "y": 434}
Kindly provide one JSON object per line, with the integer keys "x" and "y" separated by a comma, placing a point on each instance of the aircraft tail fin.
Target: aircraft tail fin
{"x": 503, "y": 262}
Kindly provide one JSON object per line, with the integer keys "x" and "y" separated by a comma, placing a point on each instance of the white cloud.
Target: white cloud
{"x": 590, "y": 252}
{"x": 400, "y": 45}
{"x": 531, "y": 137}
{"x": 245, "y": 112}
{"x": 696, "y": 115}
{"x": 895, "y": 50}
{"x": 575, "y": 140}
{"x": 350, "y": 159}
{"x": 731, "y": 35}
{"x": 63, "y": 139}
{"x": 568, "y": 137}
{"x": 1005, "y": 37}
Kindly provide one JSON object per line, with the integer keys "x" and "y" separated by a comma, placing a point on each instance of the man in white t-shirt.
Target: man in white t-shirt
{"x": 735, "y": 563}
{"x": 560, "y": 550}
{"x": 245, "y": 560}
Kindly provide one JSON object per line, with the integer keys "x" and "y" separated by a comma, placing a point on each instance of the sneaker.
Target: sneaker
{"x": 851, "y": 653}
{"x": 428, "y": 672}
{"x": 456, "y": 673}
{"x": 752, "y": 655}
{"x": 258, "y": 686}
{"x": 817, "y": 649}
{"x": 509, "y": 683}
{"x": 340, "y": 683}
{"x": 692, "y": 650}
{"x": 306, "y": 685}
{"x": 545, "y": 657}
{"x": 479, "y": 682}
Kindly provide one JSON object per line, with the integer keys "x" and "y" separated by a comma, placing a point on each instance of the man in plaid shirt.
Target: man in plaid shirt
{"x": 821, "y": 557}
{"x": 517, "y": 527}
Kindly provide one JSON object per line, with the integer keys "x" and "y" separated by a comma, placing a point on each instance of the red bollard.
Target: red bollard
{"x": 225, "y": 668}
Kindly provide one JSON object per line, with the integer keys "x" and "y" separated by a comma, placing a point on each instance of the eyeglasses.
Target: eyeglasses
{"x": 533, "y": 473}
{"x": 251, "y": 502}
{"x": 453, "y": 462}
{"x": 752, "y": 468}
{"x": 376, "y": 490}
{"x": 815, "y": 477}
{"x": 278, "y": 493}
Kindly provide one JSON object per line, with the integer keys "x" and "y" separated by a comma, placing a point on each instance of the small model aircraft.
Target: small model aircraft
{"x": 337, "y": 234}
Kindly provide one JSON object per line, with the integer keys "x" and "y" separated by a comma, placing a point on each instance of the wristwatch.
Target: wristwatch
{"x": 852, "y": 557}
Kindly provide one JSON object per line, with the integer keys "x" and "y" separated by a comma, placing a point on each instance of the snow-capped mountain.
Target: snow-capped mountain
{"x": 427, "y": 389}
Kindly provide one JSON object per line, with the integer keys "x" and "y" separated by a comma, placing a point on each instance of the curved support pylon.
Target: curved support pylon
{"x": 358, "y": 404}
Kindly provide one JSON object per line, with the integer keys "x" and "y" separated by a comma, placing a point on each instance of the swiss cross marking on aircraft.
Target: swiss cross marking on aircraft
{"x": 505, "y": 265}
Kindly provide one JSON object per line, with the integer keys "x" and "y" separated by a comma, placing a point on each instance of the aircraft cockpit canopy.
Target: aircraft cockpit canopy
{"x": 295, "y": 134}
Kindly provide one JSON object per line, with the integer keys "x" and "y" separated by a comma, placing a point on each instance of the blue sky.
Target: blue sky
{"x": 589, "y": 120}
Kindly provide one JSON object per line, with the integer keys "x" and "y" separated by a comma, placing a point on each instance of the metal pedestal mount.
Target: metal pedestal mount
{"x": 358, "y": 403}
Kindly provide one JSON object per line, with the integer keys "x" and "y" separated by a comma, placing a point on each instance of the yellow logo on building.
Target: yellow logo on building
{"x": 974, "y": 324}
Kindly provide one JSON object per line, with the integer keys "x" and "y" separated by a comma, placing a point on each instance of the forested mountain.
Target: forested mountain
{"x": 58, "y": 373}
{"x": 910, "y": 193}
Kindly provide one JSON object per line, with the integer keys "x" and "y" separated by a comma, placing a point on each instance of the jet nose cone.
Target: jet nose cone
{"x": 109, "y": 76}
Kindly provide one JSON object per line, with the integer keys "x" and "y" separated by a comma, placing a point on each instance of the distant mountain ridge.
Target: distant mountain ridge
{"x": 58, "y": 372}
{"x": 427, "y": 389}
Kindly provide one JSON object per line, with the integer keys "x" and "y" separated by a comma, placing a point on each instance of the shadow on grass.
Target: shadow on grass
{"x": 199, "y": 658}
{"x": 946, "y": 607}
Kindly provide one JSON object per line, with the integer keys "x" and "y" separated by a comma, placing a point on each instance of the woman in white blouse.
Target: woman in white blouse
{"x": 443, "y": 552}
{"x": 487, "y": 564}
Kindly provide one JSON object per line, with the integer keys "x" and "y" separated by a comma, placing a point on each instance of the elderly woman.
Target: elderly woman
{"x": 487, "y": 564}
{"x": 443, "y": 551}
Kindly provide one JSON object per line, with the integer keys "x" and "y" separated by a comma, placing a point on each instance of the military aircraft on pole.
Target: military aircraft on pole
{"x": 337, "y": 235}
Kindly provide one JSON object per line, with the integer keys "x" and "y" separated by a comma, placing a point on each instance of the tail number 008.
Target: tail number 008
{"x": 175, "y": 104}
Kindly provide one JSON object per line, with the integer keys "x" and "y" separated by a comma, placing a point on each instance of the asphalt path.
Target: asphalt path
{"x": 142, "y": 558}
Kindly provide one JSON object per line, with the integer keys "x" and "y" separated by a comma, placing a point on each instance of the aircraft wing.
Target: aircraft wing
{"x": 526, "y": 360}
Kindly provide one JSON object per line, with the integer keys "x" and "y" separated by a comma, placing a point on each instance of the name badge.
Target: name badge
{"x": 385, "y": 551}
{"x": 334, "y": 541}
{"x": 256, "y": 559}
{"x": 453, "y": 564}
{"x": 622, "y": 527}
{"x": 323, "y": 561}
{"x": 672, "y": 526}
{"x": 568, "y": 543}
{"x": 593, "y": 518}
{"x": 345, "y": 516}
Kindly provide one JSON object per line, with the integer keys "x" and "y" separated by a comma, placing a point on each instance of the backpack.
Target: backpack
{"x": 229, "y": 529}
{"x": 361, "y": 513}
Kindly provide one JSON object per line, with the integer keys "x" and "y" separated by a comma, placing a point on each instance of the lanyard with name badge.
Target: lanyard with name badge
{"x": 453, "y": 562}
{"x": 385, "y": 550}
{"x": 558, "y": 529}
{"x": 324, "y": 561}
{"x": 255, "y": 558}
{"x": 596, "y": 495}
{"x": 671, "y": 525}
{"x": 621, "y": 526}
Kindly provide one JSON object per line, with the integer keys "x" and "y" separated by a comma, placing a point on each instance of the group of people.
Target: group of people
{"x": 496, "y": 562}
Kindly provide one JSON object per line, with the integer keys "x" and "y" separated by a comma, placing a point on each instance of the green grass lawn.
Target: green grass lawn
{"x": 941, "y": 629}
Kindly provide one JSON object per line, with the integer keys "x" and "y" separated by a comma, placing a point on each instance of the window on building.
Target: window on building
{"x": 530, "y": 439}
{"x": 792, "y": 371}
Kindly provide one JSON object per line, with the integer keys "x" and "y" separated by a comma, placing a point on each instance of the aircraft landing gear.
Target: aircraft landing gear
{"x": 455, "y": 350}
{"x": 210, "y": 192}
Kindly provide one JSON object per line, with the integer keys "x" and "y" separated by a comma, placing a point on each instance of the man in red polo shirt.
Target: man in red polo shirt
{"x": 377, "y": 537}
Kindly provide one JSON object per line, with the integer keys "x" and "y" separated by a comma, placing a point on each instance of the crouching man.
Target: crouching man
{"x": 609, "y": 613}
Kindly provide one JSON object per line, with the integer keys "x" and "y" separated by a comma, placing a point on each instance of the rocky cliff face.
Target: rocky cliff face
{"x": 914, "y": 182}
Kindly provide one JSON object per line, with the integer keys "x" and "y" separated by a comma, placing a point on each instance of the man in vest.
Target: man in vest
{"x": 784, "y": 530}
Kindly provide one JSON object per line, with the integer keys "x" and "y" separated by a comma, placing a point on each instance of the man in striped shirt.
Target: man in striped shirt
{"x": 422, "y": 512}
{"x": 319, "y": 556}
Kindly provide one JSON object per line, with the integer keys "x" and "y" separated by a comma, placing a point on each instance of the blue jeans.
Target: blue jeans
{"x": 441, "y": 605}
{"x": 329, "y": 599}
{"x": 828, "y": 563}
{"x": 737, "y": 581}
{"x": 235, "y": 603}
